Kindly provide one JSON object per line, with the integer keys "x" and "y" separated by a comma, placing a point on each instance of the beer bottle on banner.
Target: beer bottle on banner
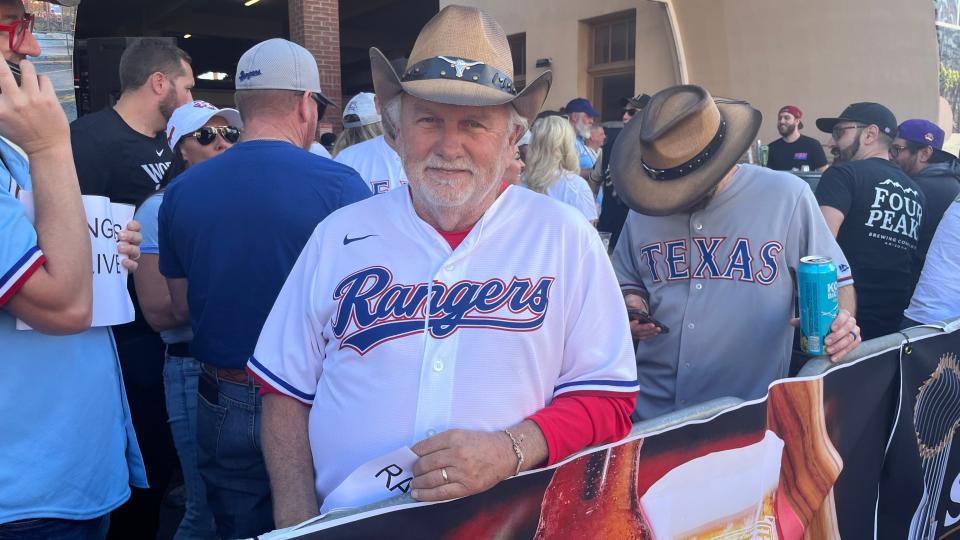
{"x": 595, "y": 496}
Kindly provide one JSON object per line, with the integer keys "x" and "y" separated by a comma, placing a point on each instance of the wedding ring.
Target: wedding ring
{"x": 443, "y": 473}
{"x": 853, "y": 336}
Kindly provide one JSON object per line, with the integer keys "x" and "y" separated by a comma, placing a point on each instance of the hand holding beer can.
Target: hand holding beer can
{"x": 819, "y": 302}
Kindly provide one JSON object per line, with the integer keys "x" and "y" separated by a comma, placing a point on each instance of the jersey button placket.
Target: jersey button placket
{"x": 435, "y": 405}
{"x": 685, "y": 366}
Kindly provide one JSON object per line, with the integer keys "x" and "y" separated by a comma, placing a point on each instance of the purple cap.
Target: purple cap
{"x": 581, "y": 105}
{"x": 924, "y": 132}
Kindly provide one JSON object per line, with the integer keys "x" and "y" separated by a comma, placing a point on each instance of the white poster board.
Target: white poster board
{"x": 111, "y": 301}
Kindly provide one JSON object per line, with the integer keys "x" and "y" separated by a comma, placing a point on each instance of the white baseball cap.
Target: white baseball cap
{"x": 278, "y": 64}
{"x": 525, "y": 140}
{"x": 192, "y": 116}
{"x": 360, "y": 111}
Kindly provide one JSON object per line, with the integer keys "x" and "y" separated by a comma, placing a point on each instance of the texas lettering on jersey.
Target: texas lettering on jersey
{"x": 717, "y": 258}
{"x": 372, "y": 309}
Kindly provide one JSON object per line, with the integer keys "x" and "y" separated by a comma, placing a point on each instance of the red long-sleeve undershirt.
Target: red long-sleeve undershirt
{"x": 572, "y": 421}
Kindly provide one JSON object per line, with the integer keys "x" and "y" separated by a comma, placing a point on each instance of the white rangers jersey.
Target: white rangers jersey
{"x": 378, "y": 164}
{"x": 391, "y": 337}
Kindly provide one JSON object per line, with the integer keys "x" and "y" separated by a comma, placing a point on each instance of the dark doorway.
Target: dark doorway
{"x": 389, "y": 25}
{"x": 219, "y": 32}
{"x": 610, "y": 91}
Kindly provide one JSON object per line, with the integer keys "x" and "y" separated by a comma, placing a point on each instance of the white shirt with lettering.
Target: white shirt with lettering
{"x": 378, "y": 164}
{"x": 937, "y": 296}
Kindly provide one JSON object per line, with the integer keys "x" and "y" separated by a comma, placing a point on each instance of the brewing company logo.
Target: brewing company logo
{"x": 372, "y": 309}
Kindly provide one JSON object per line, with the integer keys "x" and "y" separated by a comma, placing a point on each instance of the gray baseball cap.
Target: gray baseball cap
{"x": 278, "y": 64}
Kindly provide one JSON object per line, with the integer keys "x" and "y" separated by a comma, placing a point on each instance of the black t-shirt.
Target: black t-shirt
{"x": 114, "y": 160}
{"x": 613, "y": 213}
{"x": 883, "y": 211}
{"x": 786, "y": 156}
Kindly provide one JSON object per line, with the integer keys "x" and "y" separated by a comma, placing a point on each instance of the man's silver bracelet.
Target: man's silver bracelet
{"x": 516, "y": 450}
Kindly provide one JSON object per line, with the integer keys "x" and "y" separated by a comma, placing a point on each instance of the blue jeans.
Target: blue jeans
{"x": 56, "y": 529}
{"x": 180, "y": 388}
{"x": 230, "y": 458}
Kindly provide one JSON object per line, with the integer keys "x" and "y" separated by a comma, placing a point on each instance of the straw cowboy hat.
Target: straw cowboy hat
{"x": 681, "y": 145}
{"x": 461, "y": 57}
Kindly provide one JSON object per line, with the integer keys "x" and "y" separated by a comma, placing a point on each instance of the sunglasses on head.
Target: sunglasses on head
{"x": 208, "y": 134}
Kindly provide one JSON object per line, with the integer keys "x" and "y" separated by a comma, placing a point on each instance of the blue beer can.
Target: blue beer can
{"x": 819, "y": 302}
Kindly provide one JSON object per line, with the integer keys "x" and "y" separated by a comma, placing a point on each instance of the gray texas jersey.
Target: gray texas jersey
{"x": 721, "y": 280}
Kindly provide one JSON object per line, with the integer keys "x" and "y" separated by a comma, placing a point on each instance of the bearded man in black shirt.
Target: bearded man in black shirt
{"x": 121, "y": 152}
{"x": 875, "y": 210}
{"x": 793, "y": 151}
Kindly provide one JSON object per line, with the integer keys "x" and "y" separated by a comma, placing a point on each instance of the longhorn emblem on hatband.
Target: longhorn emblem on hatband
{"x": 459, "y": 64}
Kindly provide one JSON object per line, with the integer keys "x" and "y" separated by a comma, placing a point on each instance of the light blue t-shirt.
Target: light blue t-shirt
{"x": 586, "y": 158}
{"x": 67, "y": 445}
{"x": 150, "y": 230}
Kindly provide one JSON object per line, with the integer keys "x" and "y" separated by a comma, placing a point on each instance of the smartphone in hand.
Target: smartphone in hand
{"x": 15, "y": 68}
{"x": 643, "y": 317}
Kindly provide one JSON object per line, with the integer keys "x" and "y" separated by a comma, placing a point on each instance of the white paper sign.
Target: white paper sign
{"x": 375, "y": 480}
{"x": 111, "y": 301}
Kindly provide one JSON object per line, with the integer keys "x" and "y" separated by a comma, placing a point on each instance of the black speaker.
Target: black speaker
{"x": 96, "y": 65}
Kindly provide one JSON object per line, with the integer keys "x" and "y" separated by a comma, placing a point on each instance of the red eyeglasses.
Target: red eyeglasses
{"x": 17, "y": 30}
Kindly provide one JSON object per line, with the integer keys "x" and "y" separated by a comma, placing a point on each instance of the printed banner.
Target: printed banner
{"x": 111, "y": 300}
{"x": 805, "y": 462}
{"x": 921, "y": 498}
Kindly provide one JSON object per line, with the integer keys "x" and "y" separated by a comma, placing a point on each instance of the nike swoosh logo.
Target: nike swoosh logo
{"x": 159, "y": 153}
{"x": 348, "y": 240}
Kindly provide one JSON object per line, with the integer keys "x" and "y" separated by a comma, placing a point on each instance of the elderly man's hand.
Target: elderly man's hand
{"x": 474, "y": 461}
{"x": 640, "y": 331}
{"x": 843, "y": 338}
{"x": 129, "y": 245}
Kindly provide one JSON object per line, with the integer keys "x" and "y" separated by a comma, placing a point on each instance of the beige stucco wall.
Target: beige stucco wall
{"x": 817, "y": 54}
{"x": 555, "y": 30}
{"x": 820, "y": 55}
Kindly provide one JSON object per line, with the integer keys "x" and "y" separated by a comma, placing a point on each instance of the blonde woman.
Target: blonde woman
{"x": 361, "y": 122}
{"x": 552, "y": 165}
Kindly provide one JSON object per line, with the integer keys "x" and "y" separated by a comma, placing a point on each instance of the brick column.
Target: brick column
{"x": 315, "y": 24}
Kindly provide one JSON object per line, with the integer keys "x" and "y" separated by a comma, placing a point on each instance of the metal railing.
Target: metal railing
{"x": 821, "y": 365}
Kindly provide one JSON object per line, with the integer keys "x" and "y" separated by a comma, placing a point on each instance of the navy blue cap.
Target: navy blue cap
{"x": 581, "y": 105}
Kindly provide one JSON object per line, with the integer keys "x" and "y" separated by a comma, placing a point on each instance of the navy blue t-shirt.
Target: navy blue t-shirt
{"x": 234, "y": 225}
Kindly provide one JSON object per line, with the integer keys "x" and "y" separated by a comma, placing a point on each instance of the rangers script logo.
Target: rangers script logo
{"x": 372, "y": 309}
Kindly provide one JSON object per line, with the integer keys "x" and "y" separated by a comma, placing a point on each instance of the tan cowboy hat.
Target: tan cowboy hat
{"x": 461, "y": 57}
{"x": 681, "y": 145}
